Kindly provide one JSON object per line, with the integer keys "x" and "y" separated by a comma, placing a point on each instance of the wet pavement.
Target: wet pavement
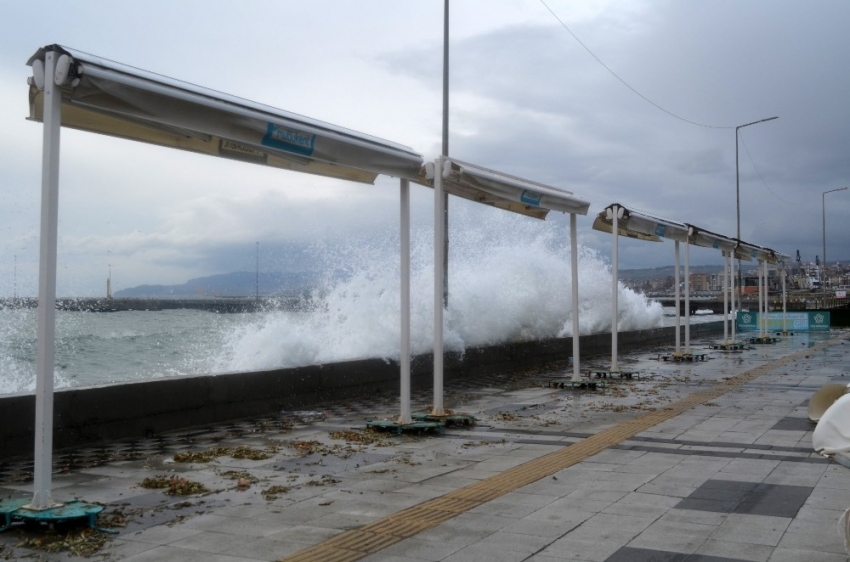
{"x": 718, "y": 467}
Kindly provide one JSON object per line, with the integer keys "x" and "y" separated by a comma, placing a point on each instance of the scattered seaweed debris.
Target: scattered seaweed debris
{"x": 326, "y": 480}
{"x": 368, "y": 437}
{"x": 174, "y": 485}
{"x": 210, "y": 455}
{"x": 78, "y": 542}
{"x": 272, "y": 492}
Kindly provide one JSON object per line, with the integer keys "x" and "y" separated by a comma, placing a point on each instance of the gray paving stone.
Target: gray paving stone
{"x": 735, "y": 550}
{"x": 752, "y": 529}
{"x": 791, "y": 555}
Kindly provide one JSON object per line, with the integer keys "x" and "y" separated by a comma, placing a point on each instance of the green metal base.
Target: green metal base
{"x": 577, "y": 385}
{"x": 399, "y": 428}
{"x": 684, "y": 357}
{"x": 763, "y": 340}
{"x": 13, "y": 511}
{"x": 447, "y": 419}
{"x": 734, "y": 346}
{"x": 612, "y": 374}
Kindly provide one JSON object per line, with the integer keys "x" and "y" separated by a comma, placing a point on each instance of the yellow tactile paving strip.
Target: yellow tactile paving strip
{"x": 377, "y": 535}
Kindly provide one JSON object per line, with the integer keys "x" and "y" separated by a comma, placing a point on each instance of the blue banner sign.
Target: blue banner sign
{"x": 809, "y": 321}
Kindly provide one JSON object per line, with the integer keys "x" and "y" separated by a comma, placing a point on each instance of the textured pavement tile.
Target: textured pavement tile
{"x": 477, "y": 553}
{"x": 752, "y": 529}
{"x": 735, "y": 550}
{"x": 208, "y": 541}
{"x": 582, "y": 549}
{"x": 304, "y": 534}
{"x": 674, "y": 536}
{"x": 823, "y": 541}
{"x": 790, "y": 555}
{"x": 161, "y": 534}
{"x": 418, "y": 549}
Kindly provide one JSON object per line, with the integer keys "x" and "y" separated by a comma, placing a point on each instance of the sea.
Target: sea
{"x": 516, "y": 290}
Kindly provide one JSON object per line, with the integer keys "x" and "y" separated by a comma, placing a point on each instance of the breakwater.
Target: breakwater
{"x": 92, "y": 414}
{"x": 221, "y": 305}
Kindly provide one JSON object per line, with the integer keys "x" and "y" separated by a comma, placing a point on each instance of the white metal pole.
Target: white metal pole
{"x": 687, "y": 297}
{"x": 784, "y": 303}
{"x": 615, "y": 268}
{"x": 678, "y": 295}
{"x": 439, "y": 249}
{"x": 45, "y": 359}
{"x": 725, "y": 297}
{"x": 404, "y": 363}
{"x": 766, "y": 303}
{"x": 574, "y": 274}
{"x": 761, "y": 299}
{"x": 733, "y": 298}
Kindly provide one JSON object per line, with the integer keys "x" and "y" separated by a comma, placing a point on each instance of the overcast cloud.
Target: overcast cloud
{"x": 526, "y": 98}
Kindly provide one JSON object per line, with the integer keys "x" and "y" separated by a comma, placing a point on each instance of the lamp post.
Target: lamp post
{"x": 738, "y": 195}
{"x": 823, "y": 201}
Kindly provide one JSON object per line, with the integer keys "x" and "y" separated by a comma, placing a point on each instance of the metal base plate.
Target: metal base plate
{"x": 13, "y": 511}
{"x": 577, "y": 385}
{"x": 399, "y": 428}
{"x": 729, "y": 346}
{"x": 612, "y": 374}
{"x": 763, "y": 340}
{"x": 447, "y": 419}
{"x": 684, "y": 357}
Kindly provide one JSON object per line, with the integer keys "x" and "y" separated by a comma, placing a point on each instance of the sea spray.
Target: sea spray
{"x": 509, "y": 280}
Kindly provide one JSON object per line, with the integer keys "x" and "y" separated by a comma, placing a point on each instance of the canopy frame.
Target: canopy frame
{"x": 85, "y": 87}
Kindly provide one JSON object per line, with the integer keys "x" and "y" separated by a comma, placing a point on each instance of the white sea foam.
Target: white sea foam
{"x": 509, "y": 281}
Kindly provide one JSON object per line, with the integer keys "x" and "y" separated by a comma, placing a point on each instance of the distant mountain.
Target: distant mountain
{"x": 236, "y": 284}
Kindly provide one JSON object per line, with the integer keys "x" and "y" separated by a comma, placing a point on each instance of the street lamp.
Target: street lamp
{"x": 738, "y": 192}
{"x": 823, "y": 201}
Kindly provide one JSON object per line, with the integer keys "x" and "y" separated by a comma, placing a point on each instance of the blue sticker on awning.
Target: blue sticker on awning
{"x": 531, "y": 197}
{"x": 290, "y": 140}
{"x": 660, "y": 229}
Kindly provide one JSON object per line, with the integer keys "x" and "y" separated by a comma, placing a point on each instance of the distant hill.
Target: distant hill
{"x": 236, "y": 284}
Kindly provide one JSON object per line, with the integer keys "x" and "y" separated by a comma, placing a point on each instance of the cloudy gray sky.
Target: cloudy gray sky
{"x": 526, "y": 98}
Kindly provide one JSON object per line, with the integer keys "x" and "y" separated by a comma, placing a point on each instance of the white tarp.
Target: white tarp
{"x": 504, "y": 191}
{"x": 832, "y": 433}
{"x": 106, "y": 97}
{"x": 706, "y": 239}
{"x": 633, "y": 223}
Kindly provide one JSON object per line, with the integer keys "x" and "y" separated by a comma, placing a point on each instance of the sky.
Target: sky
{"x": 526, "y": 97}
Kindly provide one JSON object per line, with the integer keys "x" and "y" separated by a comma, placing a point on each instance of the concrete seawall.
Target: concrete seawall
{"x": 92, "y": 414}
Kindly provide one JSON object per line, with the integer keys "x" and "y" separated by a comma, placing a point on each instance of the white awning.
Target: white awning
{"x": 110, "y": 98}
{"x": 504, "y": 191}
{"x": 706, "y": 239}
{"x": 632, "y": 223}
{"x": 750, "y": 252}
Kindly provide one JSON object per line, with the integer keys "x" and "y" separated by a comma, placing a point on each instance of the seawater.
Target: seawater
{"x": 502, "y": 288}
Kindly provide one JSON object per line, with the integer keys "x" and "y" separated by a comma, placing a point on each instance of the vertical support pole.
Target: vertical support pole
{"x": 404, "y": 263}
{"x": 761, "y": 303}
{"x": 446, "y": 150}
{"x": 784, "y": 303}
{"x": 439, "y": 250}
{"x": 725, "y": 297}
{"x": 45, "y": 359}
{"x": 678, "y": 296}
{"x": 733, "y": 295}
{"x": 615, "y": 272}
{"x": 766, "y": 303}
{"x": 687, "y": 297}
{"x": 574, "y": 274}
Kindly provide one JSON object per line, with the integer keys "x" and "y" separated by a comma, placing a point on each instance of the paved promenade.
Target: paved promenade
{"x": 705, "y": 462}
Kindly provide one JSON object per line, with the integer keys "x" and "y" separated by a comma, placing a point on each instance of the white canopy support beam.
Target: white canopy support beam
{"x": 404, "y": 263}
{"x": 497, "y": 189}
{"x": 439, "y": 249}
{"x": 677, "y": 352}
{"x": 45, "y": 359}
{"x": 616, "y": 213}
{"x": 74, "y": 89}
{"x": 687, "y": 298}
{"x": 574, "y": 290}
{"x": 725, "y": 297}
